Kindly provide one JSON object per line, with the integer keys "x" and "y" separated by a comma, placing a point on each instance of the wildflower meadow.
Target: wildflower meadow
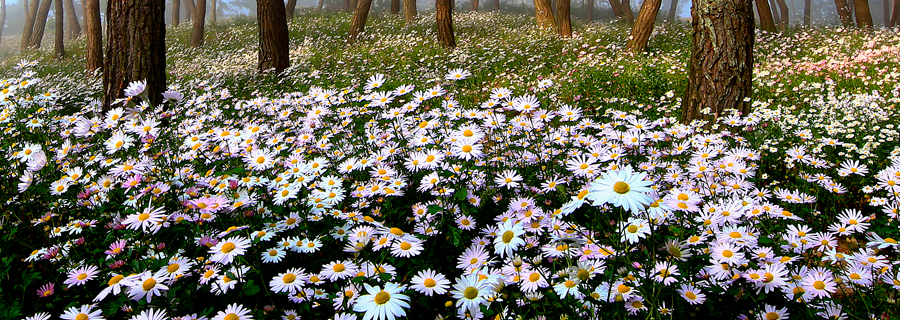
{"x": 519, "y": 176}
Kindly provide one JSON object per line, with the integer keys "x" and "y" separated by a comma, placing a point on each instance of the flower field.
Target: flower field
{"x": 519, "y": 177}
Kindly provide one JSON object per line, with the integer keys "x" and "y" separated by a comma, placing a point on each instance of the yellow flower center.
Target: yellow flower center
{"x": 289, "y": 278}
{"x": 228, "y": 247}
{"x": 507, "y": 236}
{"x": 470, "y": 293}
{"x": 148, "y": 284}
{"x": 621, "y": 187}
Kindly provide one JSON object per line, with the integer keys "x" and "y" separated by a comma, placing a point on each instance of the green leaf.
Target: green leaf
{"x": 250, "y": 288}
{"x": 434, "y": 208}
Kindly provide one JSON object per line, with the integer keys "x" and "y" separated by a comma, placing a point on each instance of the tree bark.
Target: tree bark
{"x": 766, "y": 21}
{"x": 190, "y": 6}
{"x": 2, "y": 16}
{"x": 40, "y": 24}
{"x": 774, "y": 6}
{"x": 59, "y": 45}
{"x": 289, "y": 9}
{"x": 273, "y": 35}
{"x": 544, "y": 13}
{"x": 212, "y": 10}
{"x": 395, "y": 6}
{"x": 321, "y": 5}
{"x": 74, "y": 29}
{"x": 358, "y": 24}
{"x": 30, "y": 16}
{"x": 176, "y": 12}
{"x": 626, "y": 8}
{"x": 643, "y": 27}
{"x": 94, "y": 35}
{"x": 617, "y": 9}
{"x": 785, "y": 16}
{"x": 589, "y": 10}
{"x": 474, "y": 5}
{"x": 443, "y": 17}
{"x": 844, "y": 12}
{"x": 886, "y": 7}
{"x": 199, "y": 19}
{"x": 673, "y": 9}
{"x": 896, "y": 15}
{"x": 863, "y": 15}
{"x": 136, "y": 48}
{"x": 410, "y": 10}
{"x": 497, "y": 5}
{"x": 565, "y": 20}
{"x": 721, "y": 65}
{"x": 807, "y": 11}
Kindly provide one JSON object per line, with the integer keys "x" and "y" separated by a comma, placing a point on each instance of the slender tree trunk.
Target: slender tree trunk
{"x": 136, "y": 48}
{"x": 410, "y": 10}
{"x": 40, "y": 24}
{"x": 443, "y": 17}
{"x": 765, "y": 15}
{"x": 565, "y": 20}
{"x": 190, "y": 6}
{"x": 863, "y": 15}
{"x": 273, "y": 35}
{"x": 395, "y": 6}
{"x": 617, "y": 9}
{"x": 497, "y": 5}
{"x": 474, "y": 5}
{"x": 59, "y": 45}
{"x": 358, "y": 24}
{"x": 321, "y": 5}
{"x": 94, "y": 35}
{"x": 886, "y": 7}
{"x": 626, "y": 9}
{"x": 2, "y": 16}
{"x": 176, "y": 12}
{"x": 844, "y": 12}
{"x": 544, "y": 13}
{"x": 74, "y": 29}
{"x": 807, "y": 11}
{"x": 673, "y": 10}
{"x": 774, "y": 6}
{"x": 197, "y": 33}
{"x": 212, "y": 9}
{"x": 589, "y": 10}
{"x": 785, "y": 16}
{"x": 289, "y": 9}
{"x": 721, "y": 65}
{"x": 643, "y": 27}
{"x": 895, "y": 20}
{"x": 30, "y": 16}
{"x": 354, "y": 4}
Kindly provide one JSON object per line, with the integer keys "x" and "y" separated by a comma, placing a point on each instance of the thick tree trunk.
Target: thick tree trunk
{"x": 199, "y": 19}
{"x": 474, "y": 5}
{"x": 807, "y": 11}
{"x": 673, "y": 9}
{"x": 721, "y": 65}
{"x": 273, "y": 35}
{"x": 844, "y": 12}
{"x": 565, "y": 20}
{"x": 136, "y": 48}
{"x": 59, "y": 45}
{"x": 212, "y": 10}
{"x": 765, "y": 15}
{"x": 863, "y": 15}
{"x": 40, "y": 24}
{"x": 30, "y": 16}
{"x": 643, "y": 27}
{"x": 443, "y": 17}
{"x": 289, "y": 9}
{"x": 176, "y": 12}
{"x": 616, "y": 7}
{"x": 93, "y": 35}
{"x": 358, "y": 24}
{"x": 785, "y": 16}
{"x": 589, "y": 10}
{"x": 410, "y": 10}
{"x": 74, "y": 29}
{"x": 626, "y": 9}
{"x": 395, "y": 6}
{"x": 544, "y": 13}
{"x": 190, "y": 6}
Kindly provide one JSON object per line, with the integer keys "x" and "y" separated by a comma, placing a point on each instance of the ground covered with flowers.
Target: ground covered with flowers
{"x": 521, "y": 176}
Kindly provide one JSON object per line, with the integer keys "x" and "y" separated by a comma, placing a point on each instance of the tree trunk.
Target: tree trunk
{"x": 136, "y": 48}
{"x": 863, "y": 15}
{"x": 321, "y": 5}
{"x": 544, "y": 13}
{"x": 617, "y": 9}
{"x": 443, "y": 17}
{"x": 40, "y": 24}
{"x": 2, "y": 16}
{"x": 807, "y": 11}
{"x": 474, "y": 5}
{"x": 774, "y": 6}
{"x": 289, "y": 9}
{"x": 589, "y": 10}
{"x": 643, "y": 27}
{"x": 673, "y": 10}
{"x": 176, "y": 12}
{"x": 766, "y": 21}
{"x": 626, "y": 8}
{"x": 497, "y": 5}
{"x": 94, "y": 35}
{"x": 59, "y": 45}
{"x": 844, "y": 12}
{"x": 565, "y": 20}
{"x": 190, "y": 6}
{"x": 721, "y": 65}
{"x": 74, "y": 29}
{"x": 395, "y": 6}
{"x": 895, "y": 20}
{"x": 273, "y": 35}
{"x": 30, "y": 16}
{"x": 886, "y": 7}
{"x": 358, "y": 24}
{"x": 785, "y": 16}
{"x": 410, "y": 10}
{"x": 212, "y": 10}
{"x": 199, "y": 20}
